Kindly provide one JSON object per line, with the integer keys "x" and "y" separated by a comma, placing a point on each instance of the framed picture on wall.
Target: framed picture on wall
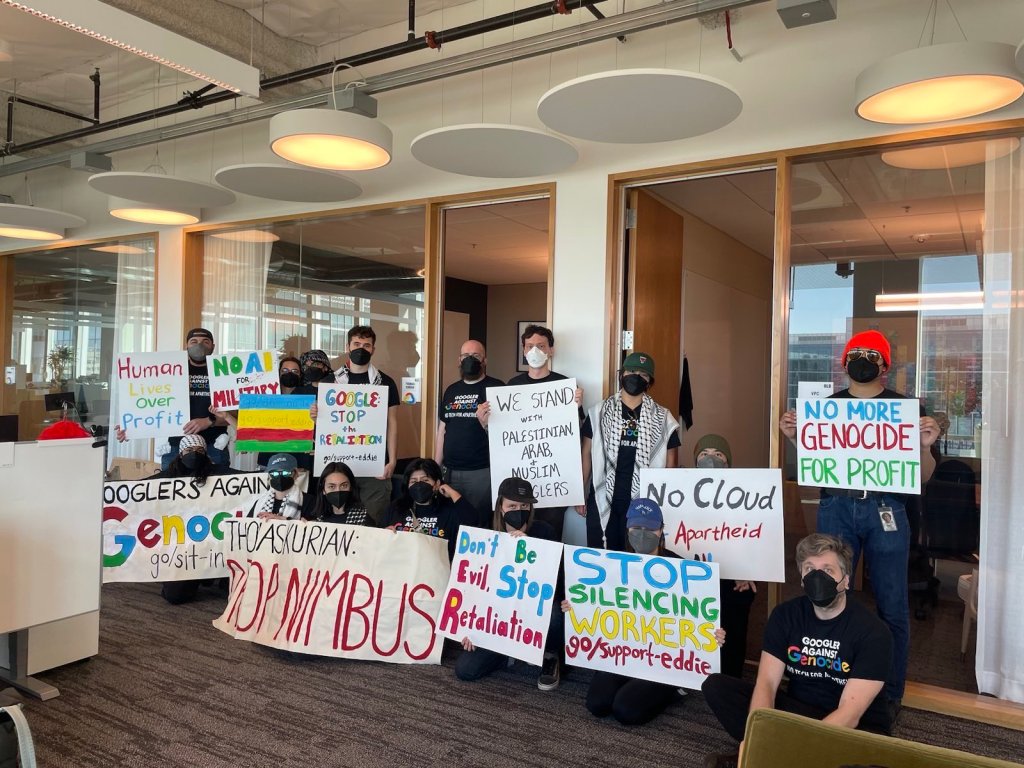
{"x": 521, "y": 365}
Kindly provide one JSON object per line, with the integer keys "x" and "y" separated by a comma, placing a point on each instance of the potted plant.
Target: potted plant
{"x": 59, "y": 361}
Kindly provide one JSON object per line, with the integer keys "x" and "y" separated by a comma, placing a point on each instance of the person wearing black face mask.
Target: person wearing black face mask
{"x": 285, "y": 500}
{"x": 289, "y": 373}
{"x": 428, "y": 505}
{"x": 337, "y": 498}
{"x": 835, "y": 652}
{"x": 624, "y": 434}
{"x": 316, "y": 368}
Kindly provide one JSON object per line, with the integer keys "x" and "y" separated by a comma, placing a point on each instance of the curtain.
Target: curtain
{"x": 234, "y": 290}
{"x": 1000, "y": 657}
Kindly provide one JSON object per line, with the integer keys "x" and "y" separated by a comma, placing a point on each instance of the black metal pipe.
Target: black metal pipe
{"x": 596, "y": 12}
{"x": 412, "y": 20}
{"x": 10, "y": 123}
{"x": 55, "y": 110}
{"x": 95, "y": 77}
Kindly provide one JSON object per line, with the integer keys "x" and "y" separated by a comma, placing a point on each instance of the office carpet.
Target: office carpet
{"x": 169, "y": 690}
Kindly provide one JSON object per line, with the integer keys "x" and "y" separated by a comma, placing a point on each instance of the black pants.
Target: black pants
{"x": 479, "y": 663}
{"x": 735, "y": 618}
{"x": 630, "y": 701}
{"x": 178, "y": 592}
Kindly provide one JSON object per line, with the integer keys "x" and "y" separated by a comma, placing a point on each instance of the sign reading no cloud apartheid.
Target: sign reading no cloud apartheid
{"x": 865, "y": 444}
{"x": 534, "y": 433}
{"x": 730, "y": 516}
{"x": 335, "y": 590}
{"x": 238, "y": 373}
{"x": 152, "y": 394}
{"x": 642, "y": 616}
{"x": 352, "y": 426}
{"x": 501, "y": 592}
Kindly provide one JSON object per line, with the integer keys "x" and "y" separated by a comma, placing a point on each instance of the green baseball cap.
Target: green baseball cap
{"x": 639, "y": 361}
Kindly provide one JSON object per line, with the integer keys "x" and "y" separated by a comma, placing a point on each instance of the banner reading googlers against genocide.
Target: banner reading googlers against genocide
{"x": 152, "y": 394}
{"x": 861, "y": 443}
{"x": 352, "y": 426}
{"x": 534, "y": 433}
{"x": 171, "y": 529}
{"x": 335, "y": 590}
{"x": 238, "y": 373}
{"x": 642, "y": 616}
{"x": 500, "y": 592}
{"x": 730, "y": 516}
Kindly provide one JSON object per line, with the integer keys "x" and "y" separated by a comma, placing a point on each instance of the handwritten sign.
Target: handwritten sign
{"x": 238, "y": 373}
{"x": 534, "y": 433}
{"x": 335, "y": 590}
{"x": 352, "y": 426}
{"x": 501, "y": 592}
{"x": 152, "y": 394}
{"x": 730, "y": 516}
{"x": 274, "y": 423}
{"x": 862, "y": 443}
{"x": 642, "y": 616}
{"x": 172, "y": 529}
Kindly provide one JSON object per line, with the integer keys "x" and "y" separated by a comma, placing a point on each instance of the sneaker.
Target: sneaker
{"x": 550, "y": 672}
{"x": 722, "y": 760}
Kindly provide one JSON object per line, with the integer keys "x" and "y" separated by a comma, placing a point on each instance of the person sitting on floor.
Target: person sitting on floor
{"x": 337, "y": 498}
{"x": 285, "y": 500}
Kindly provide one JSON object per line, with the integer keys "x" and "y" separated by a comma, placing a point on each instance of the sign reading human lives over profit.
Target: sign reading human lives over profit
{"x": 335, "y": 590}
{"x": 152, "y": 394}
{"x": 862, "y": 443}
{"x": 238, "y": 373}
{"x": 534, "y": 433}
{"x": 352, "y": 427}
{"x": 729, "y": 516}
{"x": 642, "y": 616}
{"x": 172, "y": 529}
{"x": 275, "y": 423}
{"x": 500, "y": 592}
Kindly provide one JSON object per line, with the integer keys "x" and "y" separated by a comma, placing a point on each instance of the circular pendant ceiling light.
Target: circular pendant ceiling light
{"x": 945, "y": 156}
{"x": 152, "y": 213}
{"x": 247, "y": 236}
{"x": 275, "y": 181}
{"x": 120, "y": 248}
{"x": 27, "y": 222}
{"x": 493, "y": 150}
{"x": 330, "y": 139}
{"x": 939, "y": 82}
{"x": 639, "y": 106}
{"x": 155, "y": 198}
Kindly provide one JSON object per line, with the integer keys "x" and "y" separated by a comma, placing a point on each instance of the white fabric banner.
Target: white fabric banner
{"x": 152, "y": 394}
{"x": 352, "y": 426}
{"x": 238, "y": 373}
{"x": 335, "y": 590}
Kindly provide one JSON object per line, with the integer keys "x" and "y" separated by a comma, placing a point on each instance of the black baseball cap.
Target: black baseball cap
{"x": 516, "y": 489}
{"x": 201, "y": 332}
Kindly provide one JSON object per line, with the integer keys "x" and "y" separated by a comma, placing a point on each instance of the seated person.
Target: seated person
{"x": 427, "y": 505}
{"x": 337, "y": 498}
{"x": 285, "y": 500}
{"x": 514, "y": 514}
{"x": 820, "y": 625}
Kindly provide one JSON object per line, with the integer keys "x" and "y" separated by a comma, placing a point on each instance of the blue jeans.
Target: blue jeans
{"x": 856, "y": 521}
{"x": 217, "y": 456}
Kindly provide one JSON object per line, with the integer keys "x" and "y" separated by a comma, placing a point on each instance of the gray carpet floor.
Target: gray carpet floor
{"x": 169, "y": 690}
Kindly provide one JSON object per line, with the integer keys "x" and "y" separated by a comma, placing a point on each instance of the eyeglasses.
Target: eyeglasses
{"x": 873, "y": 356}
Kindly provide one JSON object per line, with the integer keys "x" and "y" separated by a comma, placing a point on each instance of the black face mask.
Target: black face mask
{"x": 314, "y": 375}
{"x": 290, "y": 379}
{"x": 421, "y": 492}
{"x": 634, "y": 384}
{"x": 337, "y": 499}
{"x": 360, "y": 356}
{"x": 471, "y": 368}
{"x": 194, "y": 460}
{"x": 281, "y": 482}
{"x": 863, "y": 370}
{"x": 516, "y": 518}
{"x": 820, "y": 588}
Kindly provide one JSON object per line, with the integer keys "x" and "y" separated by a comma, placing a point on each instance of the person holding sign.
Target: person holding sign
{"x": 289, "y": 372}
{"x": 859, "y": 517}
{"x": 428, "y": 505}
{"x": 316, "y": 367}
{"x": 337, "y": 498}
{"x": 624, "y": 434}
{"x": 834, "y": 650}
{"x": 515, "y": 515}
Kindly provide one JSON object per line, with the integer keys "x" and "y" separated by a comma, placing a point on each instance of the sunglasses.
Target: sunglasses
{"x": 872, "y": 355}
{"x": 279, "y": 473}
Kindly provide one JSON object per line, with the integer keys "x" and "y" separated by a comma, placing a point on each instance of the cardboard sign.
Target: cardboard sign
{"x": 642, "y": 616}
{"x": 335, "y": 590}
{"x": 534, "y": 433}
{"x": 238, "y": 373}
{"x": 862, "y": 443}
{"x": 500, "y": 594}
{"x": 274, "y": 424}
{"x": 732, "y": 517}
{"x": 152, "y": 394}
{"x": 172, "y": 529}
{"x": 352, "y": 427}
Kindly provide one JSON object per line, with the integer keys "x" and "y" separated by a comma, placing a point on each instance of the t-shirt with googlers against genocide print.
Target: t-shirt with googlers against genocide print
{"x": 465, "y": 441}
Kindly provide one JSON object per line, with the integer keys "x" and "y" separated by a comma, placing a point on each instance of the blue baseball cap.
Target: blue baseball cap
{"x": 644, "y": 513}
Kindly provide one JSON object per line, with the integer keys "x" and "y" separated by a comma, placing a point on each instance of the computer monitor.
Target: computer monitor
{"x": 8, "y": 429}
{"x": 58, "y": 401}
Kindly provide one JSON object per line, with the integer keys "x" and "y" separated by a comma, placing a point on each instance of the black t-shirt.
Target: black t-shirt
{"x": 199, "y": 402}
{"x": 821, "y": 656}
{"x": 465, "y": 441}
{"x": 442, "y": 518}
{"x": 385, "y": 381}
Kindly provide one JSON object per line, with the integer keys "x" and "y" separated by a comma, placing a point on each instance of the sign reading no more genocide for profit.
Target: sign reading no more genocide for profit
{"x": 352, "y": 427}
{"x": 868, "y": 444}
{"x": 152, "y": 394}
{"x": 238, "y": 373}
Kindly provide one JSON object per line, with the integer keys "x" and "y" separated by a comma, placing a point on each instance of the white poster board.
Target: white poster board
{"x": 152, "y": 394}
{"x": 352, "y": 427}
{"x": 237, "y": 373}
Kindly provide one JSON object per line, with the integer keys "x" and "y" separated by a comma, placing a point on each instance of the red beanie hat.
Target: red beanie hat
{"x": 868, "y": 340}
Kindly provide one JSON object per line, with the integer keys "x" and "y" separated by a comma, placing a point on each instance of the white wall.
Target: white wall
{"x": 506, "y": 306}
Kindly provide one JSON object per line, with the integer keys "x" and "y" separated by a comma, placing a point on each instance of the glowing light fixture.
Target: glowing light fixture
{"x": 150, "y": 213}
{"x": 120, "y": 248}
{"x": 156, "y": 198}
{"x": 950, "y": 155}
{"x": 920, "y": 302}
{"x": 27, "y": 222}
{"x": 247, "y": 236}
{"x": 939, "y": 82}
{"x": 331, "y": 139}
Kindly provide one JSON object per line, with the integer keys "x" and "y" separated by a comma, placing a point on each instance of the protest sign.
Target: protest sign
{"x": 642, "y": 616}
{"x": 335, "y": 590}
{"x": 274, "y": 423}
{"x": 152, "y": 394}
{"x": 238, "y": 373}
{"x": 352, "y": 427}
{"x": 501, "y": 592}
{"x": 730, "y": 516}
{"x": 807, "y": 390}
{"x": 172, "y": 529}
{"x": 534, "y": 433}
{"x": 863, "y": 443}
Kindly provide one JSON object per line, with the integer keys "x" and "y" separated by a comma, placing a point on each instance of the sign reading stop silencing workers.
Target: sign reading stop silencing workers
{"x": 730, "y": 516}
{"x": 352, "y": 426}
{"x": 152, "y": 394}
{"x": 238, "y": 373}
{"x": 501, "y": 592}
{"x": 642, "y": 616}
{"x": 534, "y": 433}
{"x": 861, "y": 443}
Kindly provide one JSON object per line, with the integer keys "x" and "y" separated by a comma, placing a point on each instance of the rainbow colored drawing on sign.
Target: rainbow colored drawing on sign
{"x": 275, "y": 423}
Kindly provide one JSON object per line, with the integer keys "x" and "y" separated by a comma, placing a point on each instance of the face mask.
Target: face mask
{"x": 863, "y": 370}
{"x": 536, "y": 357}
{"x": 516, "y": 518}
{"x": 359, "y": 356}
{"x": 820, "y": 588}
{"x": 644, "y": 541}
{"x": 313, "y": 375}
{"x": 197, "y": 352}
{"x": 281, "y": 482}
{"x": 471, "y": 368}
{"x": 421, "y": 492}
{"x": 337, "y": 499}
{"x": 634, "y": 384}
{"x": 193, "y": 460}
{"x": 711, "y": 462}
{"x": 290, "y": 379}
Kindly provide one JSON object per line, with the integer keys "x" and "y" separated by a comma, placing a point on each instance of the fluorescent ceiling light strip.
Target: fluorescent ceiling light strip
{"x": 130, "y": 33}
{"x": 915, "y": 302}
